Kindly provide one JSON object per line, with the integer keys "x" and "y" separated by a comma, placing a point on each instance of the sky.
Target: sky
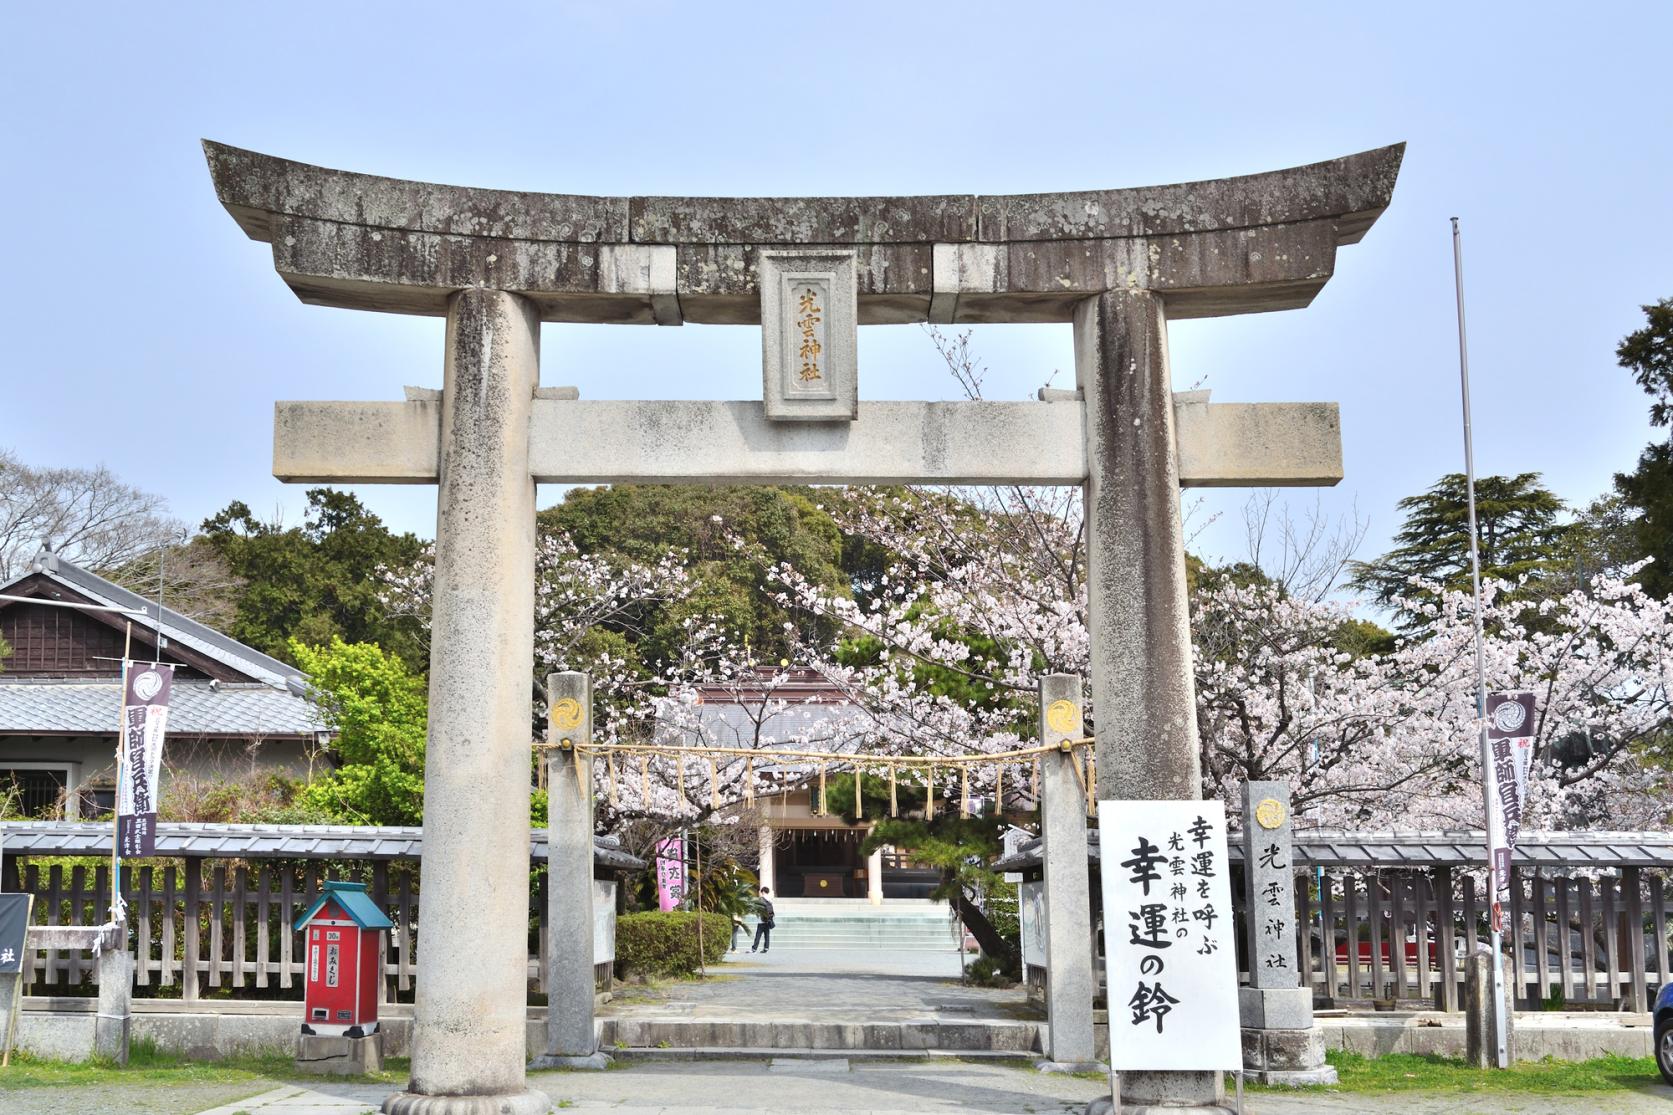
{"x": 145, "y": 332}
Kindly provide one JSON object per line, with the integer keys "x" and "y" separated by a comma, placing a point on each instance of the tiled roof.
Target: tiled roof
{"x": 1329, "y": 848}
{"x": 353, "y": 900}
{"x": 92, "y": 838}
{"x": 36, "y": 706}
{"x": 174, "y": 626}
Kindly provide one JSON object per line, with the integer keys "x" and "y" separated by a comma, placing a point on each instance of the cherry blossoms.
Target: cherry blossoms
{"x": 944, "y": 651}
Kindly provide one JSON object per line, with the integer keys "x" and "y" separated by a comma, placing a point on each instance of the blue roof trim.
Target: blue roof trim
{"x": 354, "y": 900}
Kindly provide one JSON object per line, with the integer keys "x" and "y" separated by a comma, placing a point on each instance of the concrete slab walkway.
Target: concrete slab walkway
{"x": 838, "y": 984}
{"x": 837, "y": 1085}
{"x": 816, "y": 1000}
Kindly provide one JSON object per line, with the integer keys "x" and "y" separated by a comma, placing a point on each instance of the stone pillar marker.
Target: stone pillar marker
{"x": 1138, "y": 615}
{"x": 116, "y": 993}
{"x": 470, "y": 1011}
{"x": 874, "y": 878}
{"x": 571, "y": 1037}
{"x": 1070, "y": 978}
{"x": 1280, "y": 1043}
{"x": 1480, "y": 1038}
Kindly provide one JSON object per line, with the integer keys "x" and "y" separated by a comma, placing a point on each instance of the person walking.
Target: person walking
{"x": 764, "y": 927}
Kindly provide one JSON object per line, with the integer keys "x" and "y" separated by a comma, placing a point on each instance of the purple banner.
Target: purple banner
{"x": 670, "y": 873}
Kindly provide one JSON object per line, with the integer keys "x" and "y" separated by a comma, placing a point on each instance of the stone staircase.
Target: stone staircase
{"x": 732, "y": 1038}
{"x": 899, "y": 925}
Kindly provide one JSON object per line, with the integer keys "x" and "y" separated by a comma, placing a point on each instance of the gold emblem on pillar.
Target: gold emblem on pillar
{"x": 566, "y": 714}
{"x": 1269, "y": 813}
{"x": 1062, "y": 716}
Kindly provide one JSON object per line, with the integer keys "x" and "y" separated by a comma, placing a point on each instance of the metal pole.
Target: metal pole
{"x": 121, "y": 770}
{"x": 1487, "y": 776}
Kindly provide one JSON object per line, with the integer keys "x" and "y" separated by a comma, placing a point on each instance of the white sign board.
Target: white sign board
{"x": 1169, "y": 942}
{"x": 604, "y": 920}
{"x": 1031, "y": 911}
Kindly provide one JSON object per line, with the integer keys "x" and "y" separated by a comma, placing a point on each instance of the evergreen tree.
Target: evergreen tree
{"x": 1648, "y": 490}
{"x": 1516, "y": 519}
{"x": 645, "y": 522}
{"x": 316, "y": 581}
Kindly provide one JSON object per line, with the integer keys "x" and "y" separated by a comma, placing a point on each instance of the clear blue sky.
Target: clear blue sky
{"x": 144, "y": 331}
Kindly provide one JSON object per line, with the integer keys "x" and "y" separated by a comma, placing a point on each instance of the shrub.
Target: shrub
{"x": 986, "y": 971}
{"x": 657, "y": 943}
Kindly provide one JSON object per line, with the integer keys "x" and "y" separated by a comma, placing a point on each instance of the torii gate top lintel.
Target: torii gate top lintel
{"x": 1233, "y": 245}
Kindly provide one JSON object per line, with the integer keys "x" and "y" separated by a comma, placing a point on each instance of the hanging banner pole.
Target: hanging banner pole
{"x": 1496, "y": 849}
{"x": 121, "y": 764}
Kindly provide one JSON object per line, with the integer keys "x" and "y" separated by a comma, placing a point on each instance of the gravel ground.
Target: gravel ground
{"x": 120, "y": 1099}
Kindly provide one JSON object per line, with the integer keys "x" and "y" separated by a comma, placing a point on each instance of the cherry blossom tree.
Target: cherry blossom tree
{"x": 944, "y": 651}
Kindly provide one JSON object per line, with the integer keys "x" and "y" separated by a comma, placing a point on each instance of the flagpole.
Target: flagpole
{"x": 1487, "y": 778}
{"x": 121, "y": 769}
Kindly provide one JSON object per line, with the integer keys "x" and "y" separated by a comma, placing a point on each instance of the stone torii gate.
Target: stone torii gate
{"x": 1118, "y": 264}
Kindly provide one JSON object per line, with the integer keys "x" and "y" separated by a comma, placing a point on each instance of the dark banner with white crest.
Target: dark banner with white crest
{"x": 1510, "y": 739}
{"x": 144, "y": 720}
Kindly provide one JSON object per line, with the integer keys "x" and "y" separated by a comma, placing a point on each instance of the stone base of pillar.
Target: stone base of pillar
{"x": 1166, "y": 1093}
{"x": 1275, "y": 1008}
{"x": 339, "y": 1056}
{"x": 1309, "y": 1078}
{"x": 555, "y": 1061}
{"x": 1282, "y": 1051}
{"x": 1103, "y": 1106}
{"x": 512, "y": 1103}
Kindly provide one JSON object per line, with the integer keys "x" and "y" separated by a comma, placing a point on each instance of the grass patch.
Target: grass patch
{"x": 149, "y": 1065}
{"x": 1410, "y": 1072}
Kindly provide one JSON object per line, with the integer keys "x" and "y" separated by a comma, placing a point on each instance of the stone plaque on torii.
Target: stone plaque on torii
{"x": 1118, "y": 264}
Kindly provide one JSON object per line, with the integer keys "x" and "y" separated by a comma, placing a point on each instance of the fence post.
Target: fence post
{"x": 1633, "y": 882}
{"x": 1446, "y": 940}
{"x": 189, "y": 944}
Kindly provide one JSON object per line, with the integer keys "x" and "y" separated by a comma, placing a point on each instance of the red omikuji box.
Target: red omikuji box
{"x": 342, "y": 938}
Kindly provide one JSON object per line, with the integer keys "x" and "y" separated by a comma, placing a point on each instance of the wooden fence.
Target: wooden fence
{"x": 1577, "y": 942}
{"x": 243, "y": 945}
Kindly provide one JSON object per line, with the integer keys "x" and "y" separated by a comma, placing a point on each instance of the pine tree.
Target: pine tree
{"x": 1516, "y": 519}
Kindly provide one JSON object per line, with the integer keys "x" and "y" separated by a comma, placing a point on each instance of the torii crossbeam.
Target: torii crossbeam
{"x": 1117, "y": 263}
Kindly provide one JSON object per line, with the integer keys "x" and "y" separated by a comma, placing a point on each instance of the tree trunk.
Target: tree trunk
{"x": 981, "y": 928}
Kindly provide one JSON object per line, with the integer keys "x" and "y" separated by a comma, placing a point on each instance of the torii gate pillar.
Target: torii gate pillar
{"x": 1138, "y": 615}
{"x": 470, "y": 1009}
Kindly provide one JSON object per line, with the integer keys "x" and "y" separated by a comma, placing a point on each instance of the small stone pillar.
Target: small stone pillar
{"x": 1280, "y": 1043}
{"x": 1480, "y": 1039}
{"x": 764, "y": 873}
{"x": 874, "y": 877}
{"x": 1070, "y": 982}
{"x": 571, "y": 1037}
{"x": 116, "y": 996}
